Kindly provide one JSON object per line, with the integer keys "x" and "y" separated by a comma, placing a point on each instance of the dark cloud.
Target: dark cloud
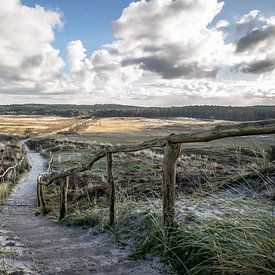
{"x": 257, "y": 67}
{"x": 253, "y": 38}
{"x": 170, "y": 70}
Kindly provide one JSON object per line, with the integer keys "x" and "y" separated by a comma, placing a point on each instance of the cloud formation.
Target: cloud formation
{"x": 252, "y": 39}
{"x": 255, "y": 49}
{"x": 165, "y": 39}
{"x": 26, "y": 54}
{"x": 160, "y": 50}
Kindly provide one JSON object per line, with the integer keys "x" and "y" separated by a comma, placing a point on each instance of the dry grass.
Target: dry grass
{"x": 127, "y": 124}
{"x": 4, "y": 191}
{"x": 34, "y": 124}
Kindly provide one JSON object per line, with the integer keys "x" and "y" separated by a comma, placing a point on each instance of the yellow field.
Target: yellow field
{"x": 103, "y": 129}
{"x": 126, "y": 124}
{"x": 11, "y": 124}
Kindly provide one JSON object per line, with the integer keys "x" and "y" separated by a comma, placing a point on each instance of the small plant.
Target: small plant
{"x": 91, "y": 218}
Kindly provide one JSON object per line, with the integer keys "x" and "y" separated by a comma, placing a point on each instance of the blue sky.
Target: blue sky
{"x": 86, "y": 20}
{"x": 90, "y": 20}
{"x": 160, "y": 52}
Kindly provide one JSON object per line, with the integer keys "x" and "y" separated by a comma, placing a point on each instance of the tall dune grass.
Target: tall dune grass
{"x": 234, "y": 244}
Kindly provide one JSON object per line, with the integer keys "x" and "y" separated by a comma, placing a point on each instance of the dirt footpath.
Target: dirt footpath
{"x": 40, "y": 246}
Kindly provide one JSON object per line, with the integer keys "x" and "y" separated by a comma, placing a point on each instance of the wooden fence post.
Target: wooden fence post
{"x": 64, "y": 197}
{"x": 38, "y": 193}
{"x": 111, "y": 187}
{"x": 40, "y": 197}
{"x": 171, "y": 154}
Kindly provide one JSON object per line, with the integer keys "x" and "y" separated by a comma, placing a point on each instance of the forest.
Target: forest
{"x": 112, "y": 110}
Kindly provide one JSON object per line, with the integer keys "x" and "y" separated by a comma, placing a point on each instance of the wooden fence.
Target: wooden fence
{"x": 171, "y": 145}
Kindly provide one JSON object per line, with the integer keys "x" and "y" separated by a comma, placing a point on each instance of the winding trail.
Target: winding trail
{"x": 44, "y": 247}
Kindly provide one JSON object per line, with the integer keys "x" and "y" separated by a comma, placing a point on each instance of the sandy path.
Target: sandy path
{"x": 44, "y": 247}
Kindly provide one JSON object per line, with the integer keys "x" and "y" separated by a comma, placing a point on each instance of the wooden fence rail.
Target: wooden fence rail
{"x": 172, "y": 145}
{"x": 12, "y": 168}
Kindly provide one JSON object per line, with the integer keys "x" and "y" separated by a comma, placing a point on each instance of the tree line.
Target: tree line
{"x": 112, "y": 110}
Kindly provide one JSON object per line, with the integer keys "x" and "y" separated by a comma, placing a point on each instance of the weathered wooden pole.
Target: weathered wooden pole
{"x": 64, "y": 197}
{"x": 171, "y": 154}
{"x": 38, "y": 194}
{"x": 110, "y": 180}
{"x": 41, "y": 203}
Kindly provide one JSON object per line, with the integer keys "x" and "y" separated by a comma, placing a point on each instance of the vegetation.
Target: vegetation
{"x": 111, "y": 110}
{"x": 230, "y": 245}
{"x": 32, "y": 125}
{"x": 5, "y": 189}
{"x": 10, "y": 156}
{"x": 223, "y": 230}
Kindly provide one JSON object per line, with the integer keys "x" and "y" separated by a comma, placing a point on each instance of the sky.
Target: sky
{"x": 149, "y": 53}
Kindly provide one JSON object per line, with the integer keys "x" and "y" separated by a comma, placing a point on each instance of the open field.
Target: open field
{"x": 127, "y": 124}
{"x": 101, "y": 127}
{"x": 11, "y": 124}
{"x": 147, "y": 126}
{"x": 130, "y": 130}
{"x": 107, "y": 130}
{"x": 224, "y": 193}
{"x": 119, "y": 129}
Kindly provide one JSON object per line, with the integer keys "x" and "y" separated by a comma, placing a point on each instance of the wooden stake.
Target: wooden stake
{"x": 38, "y": 194}
{"x": 171, "y": 154}
{"x": 64, "y": 197}
{"x": 111, "y": 187}
{"x": 41, "y": 199}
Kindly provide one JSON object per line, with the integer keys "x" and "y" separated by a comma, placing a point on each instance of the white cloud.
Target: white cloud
{"x": 165, "y": 37}
{"x": 81, "y": 70}
{"x": 26, "y": 55}
{"x": 76, "y": 55}
{"x": 162, "y": 40}
{"x": 164, "y": 50}
{"x": 28, "y": 61}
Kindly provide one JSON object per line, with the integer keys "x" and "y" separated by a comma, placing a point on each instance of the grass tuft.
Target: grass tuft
{"x": 226, "y": 246}
{"x": 5, "y": 190}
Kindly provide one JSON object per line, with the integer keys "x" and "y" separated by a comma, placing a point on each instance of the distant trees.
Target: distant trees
{"x": 111, "y": 110}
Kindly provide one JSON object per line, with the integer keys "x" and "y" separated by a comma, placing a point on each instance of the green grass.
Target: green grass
{"x": 89, "y": 217}
{"x": 227, "y": 246}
